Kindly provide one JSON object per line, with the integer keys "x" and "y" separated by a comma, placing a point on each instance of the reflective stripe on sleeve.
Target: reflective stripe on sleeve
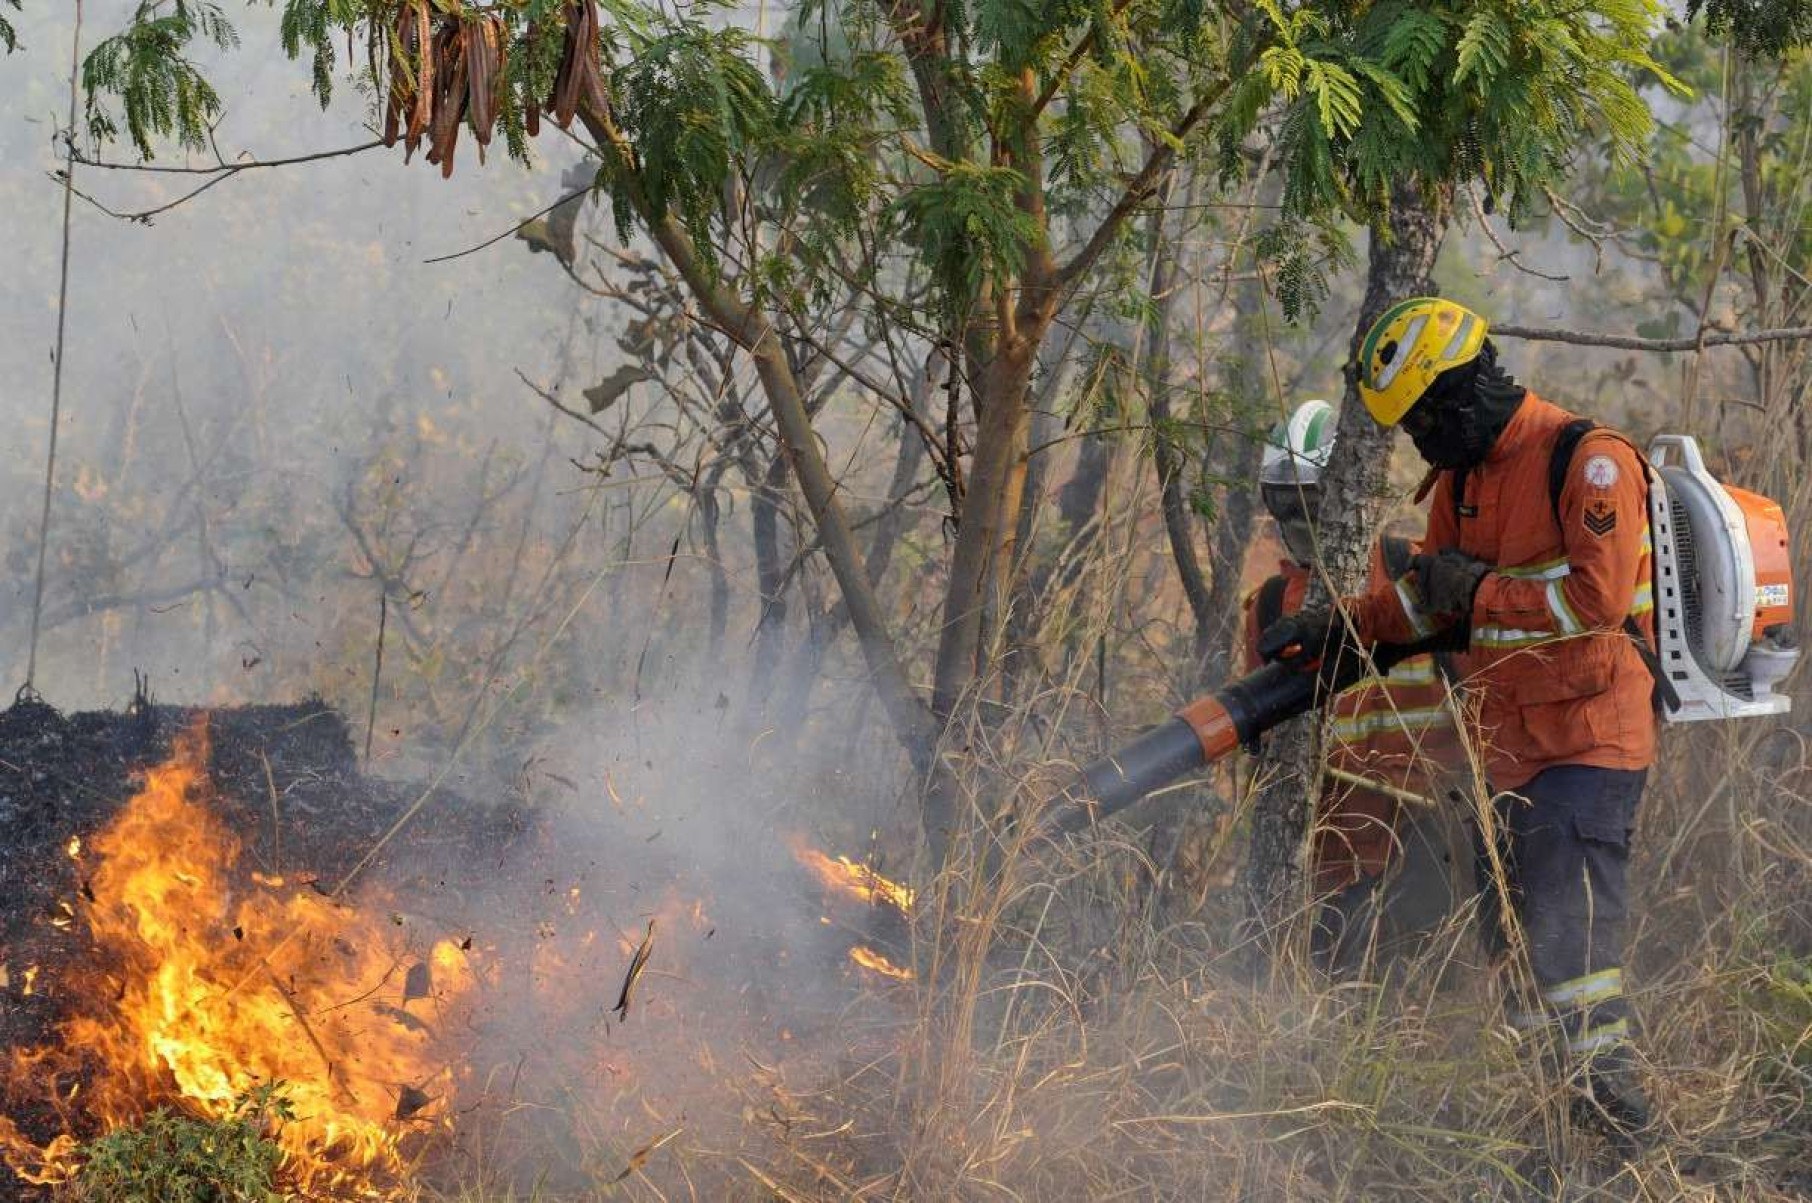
{"x": 1352, "y": 727}
{"x": 1565, "y": 620}
{"x": 1418, "y": 671}
{"x": 1501, "y": 637}
{"x": 1547, "y": 570}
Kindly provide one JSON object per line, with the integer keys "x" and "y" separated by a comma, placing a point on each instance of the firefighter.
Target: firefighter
{"x": 1389, "y": 737}
{"x": 1549, "y": 583}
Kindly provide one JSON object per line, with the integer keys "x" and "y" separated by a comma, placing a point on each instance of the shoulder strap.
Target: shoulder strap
{"x": 1267, "y": 606}
{"x": 1560, "y": 462}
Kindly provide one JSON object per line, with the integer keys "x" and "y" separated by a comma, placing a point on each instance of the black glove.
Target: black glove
{"x": 1448, "y": 580}
{"x": 1301, "y": 639}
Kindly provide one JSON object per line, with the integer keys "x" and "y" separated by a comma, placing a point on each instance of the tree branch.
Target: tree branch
{"x": 492, "y": 241}
{"x": 754, "y": 331}
{"x": 1137, "y": 192}
{"x": 222, "y": 168}
{"x": 1071, "y": 61}
{"x": 220, "y": 173}
{"x": 1579, "y": 338}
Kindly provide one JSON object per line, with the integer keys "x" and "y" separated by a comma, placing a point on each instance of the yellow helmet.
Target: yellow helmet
{"x": 1415, "y": 341}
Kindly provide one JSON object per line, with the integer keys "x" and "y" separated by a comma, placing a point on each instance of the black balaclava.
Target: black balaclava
{"x": 1460, "y": 416}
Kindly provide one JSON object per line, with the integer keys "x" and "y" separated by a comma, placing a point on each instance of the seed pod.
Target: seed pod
{"x": 399, "y": 50}
{"x": 423, "y": 115}
{"x": 450, "y": 104}
{"x": 481, "y": 80}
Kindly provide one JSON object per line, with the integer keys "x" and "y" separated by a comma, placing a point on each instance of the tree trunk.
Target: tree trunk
{"x": 709, "y": 514}
{"x": 1045, "y": 431}
{"x": 770, "y": 577}
{"x": 1238, "y": 450}
{"x": 802, "y": 676}
{"x": 1228, "y": 540}
{"x": 1402, "y": 258}
{"x": 1169, "y": 457}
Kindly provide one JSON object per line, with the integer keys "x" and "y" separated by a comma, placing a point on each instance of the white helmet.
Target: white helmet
{"x": 1299, "y": 446}
{"x": 1289, "y": 476}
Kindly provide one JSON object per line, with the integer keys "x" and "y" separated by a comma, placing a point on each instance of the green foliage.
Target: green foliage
{"x": 1353, "y": 99}
{"x": 1781, "y": 999}
{"x": 174, "y": 1158}
{"x": 1299, "y": 256}
{"x": 695, "y": 108}
{"x": 832, "y": 121}
{"x": 1363, "y": 97}
{"x": 307, "y": 26}
{"x": 1761, "y": 28}
{"x": 968, "y": 226}
{"x": 1684, "y": 198}
{"x": 160, "y": 92}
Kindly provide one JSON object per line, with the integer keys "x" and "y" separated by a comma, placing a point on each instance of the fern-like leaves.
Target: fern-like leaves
{"x": 1761, "y": 28}
{"x": 692, "y": 104}
{"x": 145, "y": 69}
{"x": 967, "y": 225}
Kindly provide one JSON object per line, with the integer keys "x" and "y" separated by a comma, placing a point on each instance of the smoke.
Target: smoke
{"x": 662, "y": 824}
{"x": 247, "y": 368}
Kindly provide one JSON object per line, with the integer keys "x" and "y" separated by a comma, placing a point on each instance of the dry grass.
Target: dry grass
{"x": 1086, "y": 1028}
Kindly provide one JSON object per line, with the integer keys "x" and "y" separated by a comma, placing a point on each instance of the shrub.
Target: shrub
{"x": 170, "y": 1157}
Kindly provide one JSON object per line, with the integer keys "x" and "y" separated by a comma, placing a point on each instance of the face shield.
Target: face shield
{"x": 1294, "y": 506}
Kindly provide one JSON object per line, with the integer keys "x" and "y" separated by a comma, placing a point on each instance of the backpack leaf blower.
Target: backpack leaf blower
{"x": 1723, "y": 588}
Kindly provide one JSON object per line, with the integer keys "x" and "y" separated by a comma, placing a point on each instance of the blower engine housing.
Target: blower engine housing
{"x": 1723, "y": 588}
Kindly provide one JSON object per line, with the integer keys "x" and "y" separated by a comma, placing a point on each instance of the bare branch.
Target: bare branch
{"x": 1623, "y": 342}
{"x": 220, "y": 173}
{"x": 1504, "y": 253}
{"x": 472, "y": 250}
{"x": 77, "y": 156}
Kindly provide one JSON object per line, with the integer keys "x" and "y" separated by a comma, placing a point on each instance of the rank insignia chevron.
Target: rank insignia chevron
{"x": 1601, "y": 519}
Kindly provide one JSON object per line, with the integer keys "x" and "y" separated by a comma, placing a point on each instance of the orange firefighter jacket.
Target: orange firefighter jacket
{"x": 1557, "y": 679}
{"x": 1395, "y": 730}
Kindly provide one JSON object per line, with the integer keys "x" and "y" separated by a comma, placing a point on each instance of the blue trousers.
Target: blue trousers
{"x": 1563, "y": 839}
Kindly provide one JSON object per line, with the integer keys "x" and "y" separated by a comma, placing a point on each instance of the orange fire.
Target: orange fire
{"x": 860, "y": 882}
{"x": 204, "y": 985}
{"x": 868, "y": 958}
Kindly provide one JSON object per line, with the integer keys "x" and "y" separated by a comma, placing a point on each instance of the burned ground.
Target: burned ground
{"x": 282, "y": 780}
{"x": 565, "y": 915}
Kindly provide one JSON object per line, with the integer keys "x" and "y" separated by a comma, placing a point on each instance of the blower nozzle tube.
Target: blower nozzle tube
{"x": 1209, "y": 729}
{"x": 1201, "y": 733}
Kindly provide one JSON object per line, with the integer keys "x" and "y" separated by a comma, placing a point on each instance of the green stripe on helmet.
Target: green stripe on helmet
{"x": 1311, "y": 438}
{"x": 1369, "y": 347}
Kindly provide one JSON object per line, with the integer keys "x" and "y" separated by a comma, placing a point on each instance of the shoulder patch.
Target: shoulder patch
{"x": 1600, "y": 472}
{"x": 1600, "y": 516}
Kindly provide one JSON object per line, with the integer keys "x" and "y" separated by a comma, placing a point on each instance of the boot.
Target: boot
{"x": 1609, "y": 1097}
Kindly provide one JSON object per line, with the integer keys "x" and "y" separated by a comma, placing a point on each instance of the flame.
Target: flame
{"x": 868, "y": 958}
{"x": 857, "y": 881}
{"x": 218, "y": 983}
